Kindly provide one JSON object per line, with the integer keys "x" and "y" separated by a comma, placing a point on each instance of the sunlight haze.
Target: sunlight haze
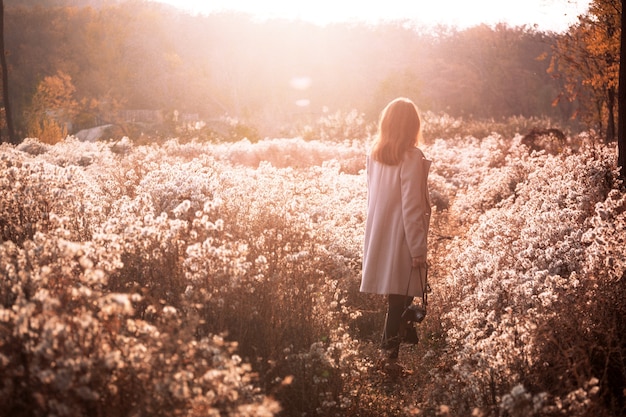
{"x": 548, "y": 15}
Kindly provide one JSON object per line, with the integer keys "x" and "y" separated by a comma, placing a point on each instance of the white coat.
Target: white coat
{"x": 398, "y": 218}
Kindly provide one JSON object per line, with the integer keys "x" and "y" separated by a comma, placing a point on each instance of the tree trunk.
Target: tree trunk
{"x": 621, "y": 100}
{"x": 610, "y": 124}
{"x": 5, "y": 81}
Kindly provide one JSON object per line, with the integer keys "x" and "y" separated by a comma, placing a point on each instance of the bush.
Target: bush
{"x": 222, "y": 279}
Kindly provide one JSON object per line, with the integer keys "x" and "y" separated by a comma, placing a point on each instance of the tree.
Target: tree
{"x": 5, "y": 81}
{"x": 587, "y": 58}
{"x": 621, "y": 132}
{"x": 53, "y": 108}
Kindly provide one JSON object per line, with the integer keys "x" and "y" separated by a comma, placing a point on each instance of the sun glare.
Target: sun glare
{"x": 547, "y": 15}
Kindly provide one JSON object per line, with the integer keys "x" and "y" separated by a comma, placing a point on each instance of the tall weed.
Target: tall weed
{"x": 222, "y": 279}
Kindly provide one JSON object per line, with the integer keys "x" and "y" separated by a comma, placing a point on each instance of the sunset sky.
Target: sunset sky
{"x": 554, "y": 15}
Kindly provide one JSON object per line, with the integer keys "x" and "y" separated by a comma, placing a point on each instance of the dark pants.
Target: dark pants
{"x": 391, "y": 333}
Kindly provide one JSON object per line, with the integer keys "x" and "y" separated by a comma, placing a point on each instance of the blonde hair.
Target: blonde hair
{"x": 399, "y": 129}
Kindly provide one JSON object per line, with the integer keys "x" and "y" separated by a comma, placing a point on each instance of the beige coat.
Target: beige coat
{"x": 398, "y": 217}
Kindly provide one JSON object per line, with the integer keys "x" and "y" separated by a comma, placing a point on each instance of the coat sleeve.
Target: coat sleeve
{"x": 367, "y": 177}
{"x": 415, "y": 202}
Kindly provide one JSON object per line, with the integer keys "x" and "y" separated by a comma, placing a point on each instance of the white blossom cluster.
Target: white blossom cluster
{"x": 120, "y": 263}
{"x": 222, "y": 279}
{"x": 527, "y": 282}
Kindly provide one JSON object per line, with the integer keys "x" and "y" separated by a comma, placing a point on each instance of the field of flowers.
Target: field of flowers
{"x": 194, "y": 278}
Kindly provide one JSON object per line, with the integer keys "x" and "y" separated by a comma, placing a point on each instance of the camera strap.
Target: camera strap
{"x": 424, "y": 285}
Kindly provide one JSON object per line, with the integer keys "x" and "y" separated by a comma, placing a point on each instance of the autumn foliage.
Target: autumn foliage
{"x": 95, "y": 59}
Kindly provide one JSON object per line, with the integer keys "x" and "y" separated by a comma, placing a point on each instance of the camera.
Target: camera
{"x": 414, "y": 313}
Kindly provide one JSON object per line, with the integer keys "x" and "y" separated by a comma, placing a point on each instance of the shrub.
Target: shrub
{"x": 222, "y": 279}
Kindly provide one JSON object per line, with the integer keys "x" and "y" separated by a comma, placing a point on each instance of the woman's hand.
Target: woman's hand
{"x": 418, "y": 261}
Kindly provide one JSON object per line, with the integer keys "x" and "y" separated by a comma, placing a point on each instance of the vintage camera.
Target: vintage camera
{"x": 414, "y": 313}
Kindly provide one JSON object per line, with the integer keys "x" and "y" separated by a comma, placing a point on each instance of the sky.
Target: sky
{"x": 546, "y": 15}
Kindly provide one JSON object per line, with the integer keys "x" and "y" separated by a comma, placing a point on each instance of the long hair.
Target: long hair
{"x": 399, "y": 129}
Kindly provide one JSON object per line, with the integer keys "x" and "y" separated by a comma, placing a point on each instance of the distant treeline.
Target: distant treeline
{"x": 80, "y": 62}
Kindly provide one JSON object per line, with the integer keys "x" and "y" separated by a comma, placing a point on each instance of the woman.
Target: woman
{"x": 398, "y": 217}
